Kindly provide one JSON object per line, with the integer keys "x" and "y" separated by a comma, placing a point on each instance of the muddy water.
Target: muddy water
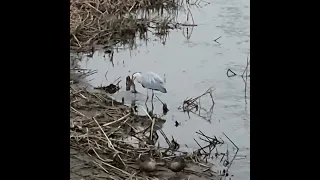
{"x": 192, "y": 66}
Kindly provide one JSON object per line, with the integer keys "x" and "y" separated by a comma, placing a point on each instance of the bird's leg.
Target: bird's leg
{"x": 152, "y": 107}
{"x": 152, "y": 96}
{"x": 146, "y": 106}
{"x": 147, "y": 97}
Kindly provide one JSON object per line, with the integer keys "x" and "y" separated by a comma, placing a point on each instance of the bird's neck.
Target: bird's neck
{"x": 137, "y": 76}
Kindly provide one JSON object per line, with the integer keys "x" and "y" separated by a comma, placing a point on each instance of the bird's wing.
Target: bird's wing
{"x": 152, "y": 80}
{"x": 154, "y": 77}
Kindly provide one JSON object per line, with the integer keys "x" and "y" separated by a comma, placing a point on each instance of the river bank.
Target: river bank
{"x": 91, "y": 154}
{"x": 106, "y": 138}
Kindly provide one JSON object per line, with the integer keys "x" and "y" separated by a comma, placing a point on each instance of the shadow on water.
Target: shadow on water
{"x": 190, "y": 64}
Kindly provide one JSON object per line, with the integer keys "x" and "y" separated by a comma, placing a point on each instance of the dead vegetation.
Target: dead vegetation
{"x": 104, "y": 23}
{"x": 244, "y": 77}
{"x": 107, "y": 136}
{"x": 194, "y": 106}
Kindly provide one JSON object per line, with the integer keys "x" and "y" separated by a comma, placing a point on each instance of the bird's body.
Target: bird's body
{"x": 149, "y": 80}
{"x": 177, "y": 164}
{"x": 146, "y": 163}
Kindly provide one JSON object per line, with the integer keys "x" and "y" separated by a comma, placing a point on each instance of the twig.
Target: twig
{"x": 105, "y": 75}
{"x": 152, "y": 121}
{"x": 217, "y": 39}
{"x": 124, "y": 172}
{"x": 109, "y": 142}
{"x": 120, "y": 119}
{"x": 236, "y": 151}
{"x": 246, "y": 69}
{"x": 233, "y": 73}
{"x": 201, "y": 148}
{"x": 116, "y": 80}
{"x": 159, "y": 99}
{"x": 119, "y": 127}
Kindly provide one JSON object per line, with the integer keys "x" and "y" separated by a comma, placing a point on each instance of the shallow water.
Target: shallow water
{"x": 190, "y": 68}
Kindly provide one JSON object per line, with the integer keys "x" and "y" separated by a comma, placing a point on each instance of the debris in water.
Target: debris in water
{"x": 108, "y": 51}
{"x": 165, "y": 108}
{"x": 177, "y": 124}
{"x": 234, "y": 154}
{"x": 133, "y": 106}
{"x": 193, "y": 105}
{"x": 174, "y": 145}
{"x": 233, "y": 73}
{"x": 128, "y": 83}
{"x": 111, "y": 89}
{"x": 213, "y": 142}
{"x": 217, "y": 39}
{"x": 245, "y": 72}
{"x": 150, "y": 113}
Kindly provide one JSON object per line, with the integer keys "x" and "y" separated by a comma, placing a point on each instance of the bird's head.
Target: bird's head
{"x": 130, "y": 81}
{"x": 136, "y": 77}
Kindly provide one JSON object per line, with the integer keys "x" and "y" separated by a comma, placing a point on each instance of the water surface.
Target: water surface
{"x": 190, "y": 67}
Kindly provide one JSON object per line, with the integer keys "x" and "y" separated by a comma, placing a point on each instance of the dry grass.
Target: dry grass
{"x": 112, "y": 136}
{"x": 108, "y": 22}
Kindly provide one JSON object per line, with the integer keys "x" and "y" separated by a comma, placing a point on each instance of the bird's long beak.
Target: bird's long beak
{"x": 133, "y": 85}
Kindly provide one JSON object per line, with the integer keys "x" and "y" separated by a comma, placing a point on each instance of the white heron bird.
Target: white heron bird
{"x": 148, "y": 80}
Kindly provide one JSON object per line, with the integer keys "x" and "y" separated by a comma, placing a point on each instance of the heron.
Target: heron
{"x": 148, "y": 80}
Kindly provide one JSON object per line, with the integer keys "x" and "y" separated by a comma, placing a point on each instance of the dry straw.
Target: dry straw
{"x": 108, "y": 22}
{"x": 113, "y": 136}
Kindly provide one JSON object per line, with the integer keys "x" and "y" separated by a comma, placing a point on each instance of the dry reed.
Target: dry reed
{"x": 107, "y": 132}
{"x": 105, "y": 23}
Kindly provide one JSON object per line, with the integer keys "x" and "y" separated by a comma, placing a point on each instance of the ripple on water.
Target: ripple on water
{"x": 191, "y": 67}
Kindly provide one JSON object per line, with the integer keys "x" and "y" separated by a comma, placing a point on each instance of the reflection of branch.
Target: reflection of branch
{"x": 246, "y": 70}
{"x": 246, "y": 81}
{"x": 233, "y": 73}
{"x": 236, "y": 151}
{"x": 213, "y": 142}
{"x": 188, "y": 36}
{"x": 164, "y": 106}
{"x": 245, "y": 89}
{"x": 217, "y": 39}
{"x": 111, "y": 58}
{"x": 105, "y": 75}
{"x": 197, "y": 3}
{"x": 193, "y": 105}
